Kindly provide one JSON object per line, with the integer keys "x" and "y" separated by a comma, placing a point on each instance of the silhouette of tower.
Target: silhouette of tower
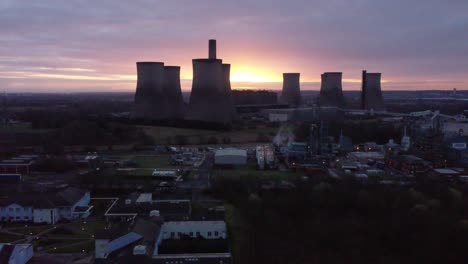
{"x": 371, "y": 93}
{"x": 331, "y": 91}
{"x": 210, "y": 99}
{"x": 291, "y": 93}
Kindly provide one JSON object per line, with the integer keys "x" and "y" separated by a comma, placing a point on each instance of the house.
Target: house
{"x": 15, "y": 254}
{"x": 111, "y": 243}
{"x": 45, "y": 207}
{"x": 192, "y": 242}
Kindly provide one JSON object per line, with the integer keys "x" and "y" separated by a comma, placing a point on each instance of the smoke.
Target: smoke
{"x": 284, "y": 136}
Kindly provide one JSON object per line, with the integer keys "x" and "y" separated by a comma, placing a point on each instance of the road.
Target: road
{"x": 201, "y": 179}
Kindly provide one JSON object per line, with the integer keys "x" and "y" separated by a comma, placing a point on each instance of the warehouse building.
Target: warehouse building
{"x": 231, "y": 156}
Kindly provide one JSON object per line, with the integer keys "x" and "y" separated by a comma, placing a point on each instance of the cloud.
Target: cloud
{"x": 408, "y": 41}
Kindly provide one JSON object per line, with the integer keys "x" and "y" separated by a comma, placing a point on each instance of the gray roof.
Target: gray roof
{"x": 66, "y": 197}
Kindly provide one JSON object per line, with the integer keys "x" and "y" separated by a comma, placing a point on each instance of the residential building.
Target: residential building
{"x": 46, "y": 207}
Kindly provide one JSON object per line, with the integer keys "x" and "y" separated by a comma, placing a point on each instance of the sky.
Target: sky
{"x": 83, "y": 46}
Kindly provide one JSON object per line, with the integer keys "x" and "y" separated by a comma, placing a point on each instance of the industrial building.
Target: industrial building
{"x": 291, "y": 92}
{"x": 231, "y": 156}
{"x": 158, "y": 93}
{"x": 210, "y": 99}
{"x": 331, "y": 90}
{"x": 371, "y": 93}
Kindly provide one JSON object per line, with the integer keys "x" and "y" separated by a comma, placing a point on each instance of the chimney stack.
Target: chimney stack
{"x": 212, "y": 49}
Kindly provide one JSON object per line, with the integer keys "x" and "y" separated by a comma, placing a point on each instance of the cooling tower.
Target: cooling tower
{"x": 331, "y": 91}
{"x": 149, "y": 100}
{"x": 227, "y": 85}
{"x": 174, "y": 103}
{"x": 291, "y": 93}
{"x": 210, "y": 99}
{"x": 371, "y": 94}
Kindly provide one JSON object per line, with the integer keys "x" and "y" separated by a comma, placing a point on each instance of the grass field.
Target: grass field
{"x": 152, "y": 161}
{"x": 5, "y": 238}
{"x": 31, "y": 229}
{"x": 237, "y": 233}
{"x": 86, "y": 246}
{"x": 167, "y": 135}
{"x": 21, "y": 128}
{"x": 250, "y": 171}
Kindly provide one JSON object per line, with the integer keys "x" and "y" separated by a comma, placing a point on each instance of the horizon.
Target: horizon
{"x": 95, "y": 49}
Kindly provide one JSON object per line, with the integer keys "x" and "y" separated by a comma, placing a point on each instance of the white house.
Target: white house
{"x": 46, "y": 207}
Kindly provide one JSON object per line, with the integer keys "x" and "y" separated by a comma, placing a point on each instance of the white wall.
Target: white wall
{"x": 16, "y": 212}
{"x": 278, "y": 117}
{"x": 207, "y": 229}
{"x": 48, "y": 215}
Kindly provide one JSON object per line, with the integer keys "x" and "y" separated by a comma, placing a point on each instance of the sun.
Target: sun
{"x": 250, "y": 74}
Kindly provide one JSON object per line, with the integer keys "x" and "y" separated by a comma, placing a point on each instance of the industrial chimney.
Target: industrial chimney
{"x": 149, "y": 99}
{"x": 371, "y": 92}
{"x": 291, "y": 93}
{"x": 331, "y": 91}
{"x": 212, "y": 49}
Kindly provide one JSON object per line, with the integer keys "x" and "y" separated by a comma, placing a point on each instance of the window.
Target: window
{"x": 191, "y": 234}
{"x": 172, "y": 234}
{"x": 216, "y": 233}
{"x": 197, "y": 233}
{"x": 209, "y": 234}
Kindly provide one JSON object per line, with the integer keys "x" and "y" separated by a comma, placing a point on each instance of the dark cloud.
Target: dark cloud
{"x": 411, "y": 42}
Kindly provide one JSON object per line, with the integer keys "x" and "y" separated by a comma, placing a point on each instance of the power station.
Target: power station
{"x": 159, "y": 96}
{"x": 371, "y": 92}
{"x": 331, "y": 90}
{"x": 210, "y": 99}
{"x": 291, "y": 92}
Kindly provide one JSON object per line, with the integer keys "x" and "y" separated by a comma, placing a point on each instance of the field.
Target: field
{"x": 31, "y": 229}
{"x": 21, "y": 128}
{"x": 5, "y": 238}
{"x": 250, "y": 171}
{"x": 152, "y": 161}
{"x": 170, "y": 135}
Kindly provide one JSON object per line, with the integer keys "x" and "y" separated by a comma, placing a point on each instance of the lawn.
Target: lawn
{"x": 250, "y": 171}
{"x": 31, "y": 229}
{"x": 87, "y": 227}
{"x": 236, "y": 233}
{"x": 22, "y": 128}
{"x": 5, "y": 238}
{"x": 74, "y": 248}
{"x": 152, "y": 161}
{"x": 169, "y": 135}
